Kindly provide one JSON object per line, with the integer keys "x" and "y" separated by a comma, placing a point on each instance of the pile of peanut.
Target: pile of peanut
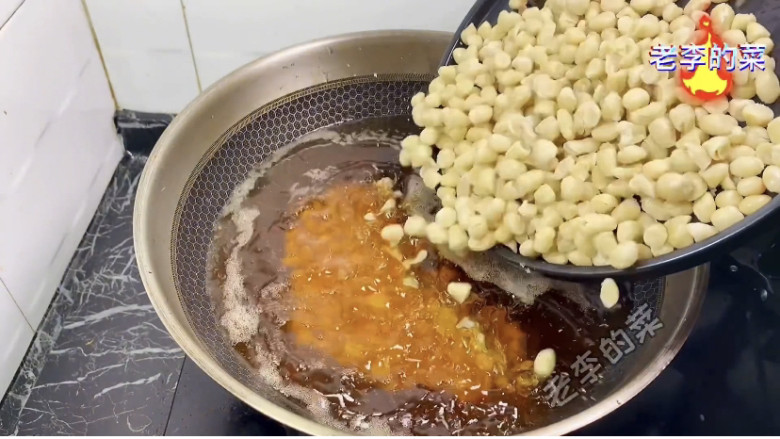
{"x": 555, "y": 136}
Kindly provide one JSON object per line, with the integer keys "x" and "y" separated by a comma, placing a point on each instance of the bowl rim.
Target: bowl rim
{"x": 145, "y": 240}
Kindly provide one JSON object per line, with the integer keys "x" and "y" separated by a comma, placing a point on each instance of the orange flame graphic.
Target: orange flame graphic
{"x": 705, "y": 83}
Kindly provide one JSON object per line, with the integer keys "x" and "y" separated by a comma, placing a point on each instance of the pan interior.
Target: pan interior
{"x": 253, "y": 141}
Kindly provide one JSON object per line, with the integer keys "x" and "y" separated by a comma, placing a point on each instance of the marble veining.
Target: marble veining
{"x": 102, "y": 362}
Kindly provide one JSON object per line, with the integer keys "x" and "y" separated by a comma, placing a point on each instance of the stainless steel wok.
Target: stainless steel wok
{"x": 211, "y": 146}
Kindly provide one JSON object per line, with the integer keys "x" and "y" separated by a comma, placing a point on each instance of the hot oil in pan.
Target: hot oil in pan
{"x": 350, "y": 325}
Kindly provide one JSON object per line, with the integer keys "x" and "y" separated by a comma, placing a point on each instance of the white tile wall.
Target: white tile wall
{"x": 17, "y": 335}
{"x": 39, "y": 69}
{"x": 149, "y": 45}
{"x": 54, "y": 202}
{"x": 58, "y": 150}
{"x": 229, "y": 33}
{"x": 146, "y": 52}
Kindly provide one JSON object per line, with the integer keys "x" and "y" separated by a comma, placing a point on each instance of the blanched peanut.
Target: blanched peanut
{"x": 773, "y": 130}
{"x": 629, "y": 231}
{"x": 482, "y": 244}
{"x": 635, "y": 99}
{"x": 544, "y": 195}
{"x": 771, "y": 178}
{"x": 662, "y": 132}
{"x": 655, "y": 235}
{"x": 544, "y": 239}
{"x": 644, "y": 252}
{"x": 447, "y": 217}
{"x": 768, "y": 153}
{"x": 722, "y": 16}
{"x": 415, "y": 226}
{"x": 579, "y": 147}
{"x": 624, "y": 255}
{"x": 595, "y": 223}
{"x": 548, "y": 128}
{"x": 751, "y": 186}
{"x": 736, "y": 106}
{"x": 509, "y": 169}
{"x": 571, "y": 189}
{"x": 747, "y": 91}
{"x": 767, "y": 86}
{"x": 480, "y": 114}
{"x": 700, "y": 231}
{"x": 544, "y": 363}
{"x": 679, "y": 236}
{"x": 393, "y": 233}
{"x": 728, "y": 198}
{"x": 555, "y": 258}
{"x": 704, "y": 207}
{"x": 605, "y": 132}
{"x": 457, "y": 238}
{"x": 680, "y": 161}
{"x": 604, "y": 203}
{"x": 728, "y": 184}
{"x": 631, "y": 154}
{"x": 612, "y": 107}
{"x": 579, "y": 258}
{"x": 526, "y": 249}
{"x": 543, "y": 154}
{"x": 586, "y": 117}
{"x": 606, "y": 159}
{"x": 477, "y": 227}
{"x": 746, "y": 166}
{"x": 641, "y": 185}
{"x": 717, "y": 147}
{"x": 674, "y": 187}
{"x": 436, "y": 233}
{"x": 715, "y": 174}
{"x": 755, "y": 135}
{"x": 698, "y": 155}
{"x": 628, "y": 209}
{"x": 485, "y": 181}
{"x": 609, "y": 294}
{"x": 754, "y": 31}
{"x": 656, "y": 209}
{"x": 503, "y": 235}
{"x": 720, "y": 105}
{"x": 499, "y": 143}
{"x": 605, "y": 242}
{"x": 459, "y": 291}
{"x": 643, "y": 116}
{"x": 696, "y": 5}
{"x": 717, "y": 124}
{"x": 757, "y": 114}
{"x": 567, "y": 100}
{"x": 770, "y": 46}
{"x": 682, "y": 118}
{"x": 726, "y": 217}
{"x": 752, "y": 203}
{"x": 655, "y": 168}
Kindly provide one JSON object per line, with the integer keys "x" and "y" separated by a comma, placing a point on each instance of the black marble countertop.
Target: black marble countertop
{"x": 103, "y": 364}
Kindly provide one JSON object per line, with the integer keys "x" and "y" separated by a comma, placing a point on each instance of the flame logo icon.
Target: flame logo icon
{"x": 706, "y": 82}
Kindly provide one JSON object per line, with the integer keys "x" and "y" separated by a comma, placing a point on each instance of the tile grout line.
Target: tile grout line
{"x": 12, "y": 14}
{"x": 13, "y": 299}
{"x": 100, "y": 52}
{"x": 189, "y": 41}
{"x": 175, "y": 394}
